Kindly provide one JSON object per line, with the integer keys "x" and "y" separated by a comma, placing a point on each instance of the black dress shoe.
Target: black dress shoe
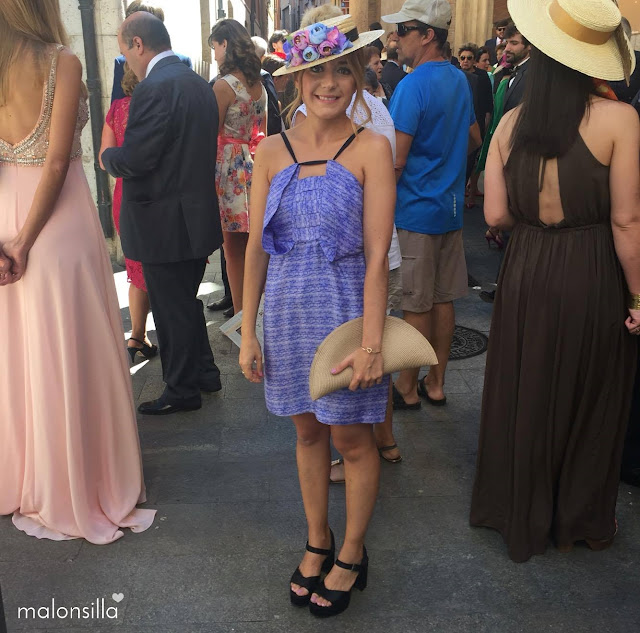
{"x": 631, "y": 476}
{"x": 488, "y": 296}
{"x": 211, "y": 386}
{"x": 162, "y": 407}
{"x": 221, "y": 304}
{"x": 228, "y": 313}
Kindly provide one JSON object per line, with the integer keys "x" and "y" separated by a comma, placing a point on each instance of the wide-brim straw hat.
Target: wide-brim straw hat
{"x": 403, "y": 347}
{"x": 346, "y": 25}
{"x": 586, "y": 35}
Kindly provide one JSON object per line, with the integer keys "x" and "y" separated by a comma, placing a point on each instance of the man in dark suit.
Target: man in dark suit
{"x": 118, "y": 69}
{"x": 392, "y": 72}
{"x": 169, "y": 219}
{"x": 517, "y": 52}
{"x": 491, "y": 44}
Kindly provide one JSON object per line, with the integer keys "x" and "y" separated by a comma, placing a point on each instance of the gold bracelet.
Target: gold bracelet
{"x": 370, "y": 350}
{"x": 634, "y": 302}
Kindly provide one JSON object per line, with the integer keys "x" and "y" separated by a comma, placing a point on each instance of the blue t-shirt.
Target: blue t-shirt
{"x": 434, "y": 105}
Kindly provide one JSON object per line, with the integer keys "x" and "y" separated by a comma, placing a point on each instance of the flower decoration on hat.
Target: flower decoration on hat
{"x": 314, "y": 42}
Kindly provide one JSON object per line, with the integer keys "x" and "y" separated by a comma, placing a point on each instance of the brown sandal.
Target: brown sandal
{"x": 384, "y": 449}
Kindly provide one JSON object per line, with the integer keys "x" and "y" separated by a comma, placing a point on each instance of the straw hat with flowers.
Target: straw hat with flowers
{"x": 322, "y": 42}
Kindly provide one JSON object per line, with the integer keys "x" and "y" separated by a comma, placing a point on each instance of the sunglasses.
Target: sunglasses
{"x": 464, "y": 57}
{"x": 501, "y": 28}
{"x": 403, "y": 29}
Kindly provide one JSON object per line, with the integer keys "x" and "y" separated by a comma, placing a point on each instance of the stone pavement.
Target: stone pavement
{"x": 230, "y": 527}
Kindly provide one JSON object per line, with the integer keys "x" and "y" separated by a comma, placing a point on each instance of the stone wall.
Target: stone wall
{"x": 109, "y": 14}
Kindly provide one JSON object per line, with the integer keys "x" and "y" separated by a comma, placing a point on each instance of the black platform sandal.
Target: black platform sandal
{"x": 340, "y": 599}
{"x": 400, "y": 404}
{"x": 311, "y": 582}
{"x": 148, "y": 351}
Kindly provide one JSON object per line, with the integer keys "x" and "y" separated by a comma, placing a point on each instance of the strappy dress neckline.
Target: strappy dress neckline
{"x": 47, "y": 100}
{"x": 320, "y": 162}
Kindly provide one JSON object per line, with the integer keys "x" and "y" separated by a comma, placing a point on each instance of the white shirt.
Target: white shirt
{"x": 156, "y": 59}
{"x": 382, "y": 123}
{"x": 522, "y": 63}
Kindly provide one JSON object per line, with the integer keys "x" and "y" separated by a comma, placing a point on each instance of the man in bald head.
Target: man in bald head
{"x": 169, "y": 218}
{"x": 118, "y": 70}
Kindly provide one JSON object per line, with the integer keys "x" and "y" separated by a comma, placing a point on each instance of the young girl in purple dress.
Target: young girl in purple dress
{"x": 322, "y": 207}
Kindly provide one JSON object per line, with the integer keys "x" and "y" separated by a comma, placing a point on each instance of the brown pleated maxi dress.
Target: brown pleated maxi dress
{"x": 560, "y": 367}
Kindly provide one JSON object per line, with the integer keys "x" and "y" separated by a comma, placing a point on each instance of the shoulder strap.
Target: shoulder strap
{"x": 288, "y": 146}
{"x": 347, "y": 143}
{"x": 234, "y": 83}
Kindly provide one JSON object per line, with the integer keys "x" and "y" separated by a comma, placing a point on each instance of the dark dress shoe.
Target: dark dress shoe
{"x": 488, "y": 296}
{"x": 162, "y": 407}
{"x": 211, "y": 386}
{"x": 221, "y": 304}
{"x": 228, "y": 313}
{"x": 631, "y": 476}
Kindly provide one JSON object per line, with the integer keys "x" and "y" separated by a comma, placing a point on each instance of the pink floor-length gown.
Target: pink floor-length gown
{"x": 70, "y": 461}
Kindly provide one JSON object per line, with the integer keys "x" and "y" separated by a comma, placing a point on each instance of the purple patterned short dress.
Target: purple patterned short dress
{"x": 315, "y": 282}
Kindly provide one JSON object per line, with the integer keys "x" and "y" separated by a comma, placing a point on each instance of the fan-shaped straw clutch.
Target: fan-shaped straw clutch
{"x": 403, "y": 347}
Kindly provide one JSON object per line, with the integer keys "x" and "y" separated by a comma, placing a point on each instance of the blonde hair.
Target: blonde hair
{"x": 319, "y": 14}
{"x": 129, "y": 81}
{"x": 138, "y": 5}
{"x": 355, "y": 63}
{"x": 24, "y": 24}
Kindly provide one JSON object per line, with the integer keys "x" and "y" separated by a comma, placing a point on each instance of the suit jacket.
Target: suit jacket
{"x": 392, "y": 74}
{"x": 627, "y": 93}
{"x": 490, "y": 45}
{"x": 274, "y": 122}
{"x": 515, "y": 91}
{"x": 118, "y": 74}
{"x": 167, "y": 162}
{"x": 485, "y": 98}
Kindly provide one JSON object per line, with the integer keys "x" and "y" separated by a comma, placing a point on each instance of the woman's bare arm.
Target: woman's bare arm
{"x": 496, "y": 201}
{"x": 225, "y": 97}
{"x": 63, "y": 124}
{"x": 377, "y": 221}
{"x": 624, "y": 182}
{"x": 108, "y": 140}
{"x": 256, "y": 263}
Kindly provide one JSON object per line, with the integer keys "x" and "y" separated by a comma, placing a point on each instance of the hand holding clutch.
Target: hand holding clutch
{"x": 367, "y": 369}
{"x": 403, "y": 347}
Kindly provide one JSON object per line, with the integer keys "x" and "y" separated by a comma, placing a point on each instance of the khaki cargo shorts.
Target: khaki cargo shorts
{"x": 434, "y": 269}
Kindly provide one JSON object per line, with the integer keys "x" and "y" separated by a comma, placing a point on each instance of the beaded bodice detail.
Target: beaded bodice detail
{"x": 32, "y": 150}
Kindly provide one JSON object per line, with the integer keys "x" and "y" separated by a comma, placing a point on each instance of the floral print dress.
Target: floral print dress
{"x": 236, "y": 146}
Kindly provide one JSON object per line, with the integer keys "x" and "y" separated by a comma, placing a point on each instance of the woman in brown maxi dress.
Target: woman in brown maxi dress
{"x": 560, "y": 364}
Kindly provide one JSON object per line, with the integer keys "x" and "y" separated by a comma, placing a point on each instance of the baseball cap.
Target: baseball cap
{"x": 435, "y": 13}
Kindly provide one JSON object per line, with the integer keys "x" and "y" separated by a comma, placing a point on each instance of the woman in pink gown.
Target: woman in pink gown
{"x": 113, "y": 136}
{"x": 70, "y": 462}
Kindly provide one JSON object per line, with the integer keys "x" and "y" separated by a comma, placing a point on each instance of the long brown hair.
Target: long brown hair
{"x": 27, "y": 23}
{"x": 355, "y": 63}
{"x": 241, "y": 53}
{"x": 129, "y": 81}
{"x": 556, "y": 99}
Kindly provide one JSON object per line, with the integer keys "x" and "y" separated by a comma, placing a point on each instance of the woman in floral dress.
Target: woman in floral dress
{"x": 242, "y": 104}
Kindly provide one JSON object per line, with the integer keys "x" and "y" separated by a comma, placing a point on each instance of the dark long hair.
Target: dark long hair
{"x": 556, "y": 98}
{"x": 241, "y": 53}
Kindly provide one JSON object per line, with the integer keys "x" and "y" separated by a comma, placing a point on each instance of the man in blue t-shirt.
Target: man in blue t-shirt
{"x": 432, "y": 110}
